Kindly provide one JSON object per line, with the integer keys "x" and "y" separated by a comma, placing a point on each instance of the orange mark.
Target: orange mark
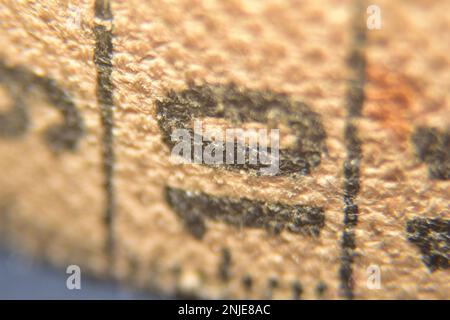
{"x": 390, "y": 100}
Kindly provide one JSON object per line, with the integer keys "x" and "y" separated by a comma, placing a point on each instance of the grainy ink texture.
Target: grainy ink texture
{"x": 363, "y": 133}
{"x": 355, "y": 101}
{"x": 402, "y": 93}
{"x": 239, "y": 106}
{"x": 102, "y": 58}
{"x": 247, "y": 282}
{"x": 194, "y": 208}
{"x": 243, "y": 64}
{"x": 432, "y": 238}
{"x": 433, "y": 147}
{"x": 321, "y": 288}
{"x": 50, "y": 140}
{"x": 272, "y": 285}
{"x": 297, "y": 290}
{"x": 224, "y": 266}
{"x": 14, "y": 122}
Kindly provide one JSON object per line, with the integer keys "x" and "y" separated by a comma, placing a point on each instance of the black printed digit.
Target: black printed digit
{"x": 238, "y": 106}
{"x": 15, "y": 122}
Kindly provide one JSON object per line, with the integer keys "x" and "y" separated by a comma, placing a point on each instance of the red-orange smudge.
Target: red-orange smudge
{"x": 390, "y": 100}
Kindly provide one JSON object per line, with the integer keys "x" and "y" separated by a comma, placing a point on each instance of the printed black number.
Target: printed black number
{"x": 15, "y": 122}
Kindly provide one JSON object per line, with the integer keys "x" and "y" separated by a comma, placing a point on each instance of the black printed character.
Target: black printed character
{"x": 14, "y": 123}
{"x": 433, "y": 147}
{"x": 239, "y": 105}
{"x": 432, "y": 238}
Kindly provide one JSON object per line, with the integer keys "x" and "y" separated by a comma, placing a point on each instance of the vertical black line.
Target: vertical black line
{"x": 354, "y": 104}
{"x": 320, "y": 289}
{"x": 224, "y": 265}
{"x": 297, "y": 290}
{"x": 272, "y": 284}
{"x": 247, "y": 282}
{"x": 102, "y": 59}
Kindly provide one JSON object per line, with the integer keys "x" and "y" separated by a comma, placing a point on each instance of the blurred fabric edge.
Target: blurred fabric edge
{"x": 22, "y": 278}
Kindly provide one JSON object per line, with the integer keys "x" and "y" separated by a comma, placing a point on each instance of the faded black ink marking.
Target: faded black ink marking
{"x": 102, "y": 59}
{"x": 247, "y": 282}
{"x": 297, "y": 290}
{"x": 225, "y": 264}
{"x": 15, "y": 122}
{"x": 433, "y": 147}
{"x": 321, "y": 288}
{"x": 355, "y": 101}
{"x": 432, "y": 238}
{"x": 194, "y": 207}
{"x": 179, "y": 109}
{"x": 272, "y": 284}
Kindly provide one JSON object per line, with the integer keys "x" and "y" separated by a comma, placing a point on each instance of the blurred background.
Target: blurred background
{"x": 23, "y": 278}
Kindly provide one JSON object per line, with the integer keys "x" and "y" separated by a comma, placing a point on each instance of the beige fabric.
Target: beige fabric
{"x": 54, "y": 205}
{"x": 54, "y": 202}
